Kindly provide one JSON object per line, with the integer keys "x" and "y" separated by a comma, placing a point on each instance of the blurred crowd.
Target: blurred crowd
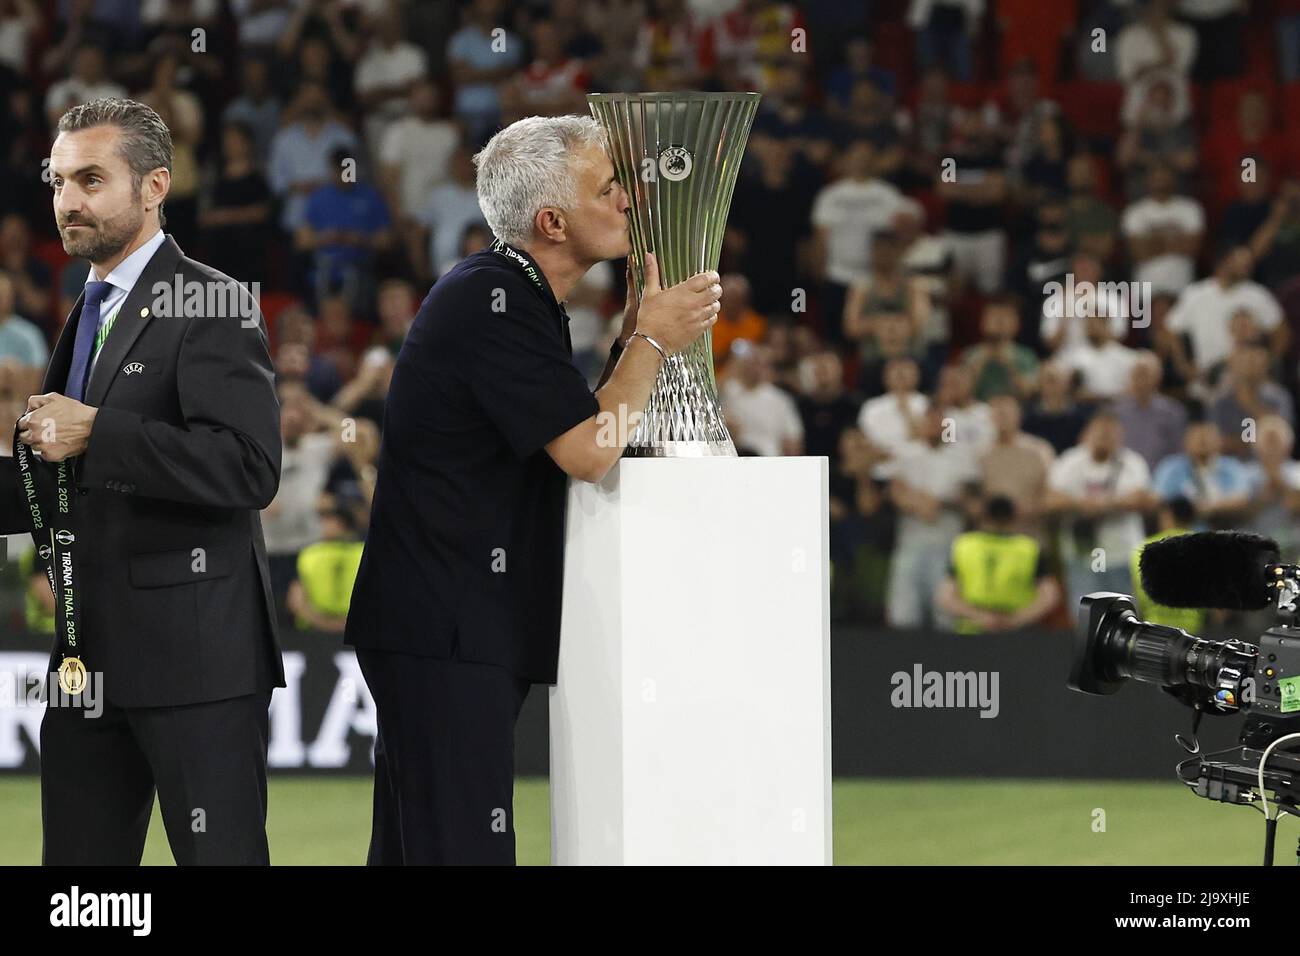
{"x": 1024, "y": 272}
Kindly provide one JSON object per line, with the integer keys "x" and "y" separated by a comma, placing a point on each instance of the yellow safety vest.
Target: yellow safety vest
{"x": 327, "y": 570}
{"x": 1190, "y": 619}
{"x": 995, "y": 572}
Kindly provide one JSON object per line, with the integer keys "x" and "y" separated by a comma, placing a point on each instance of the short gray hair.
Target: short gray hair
{"x": 527, "y": 166}
{"x": 146, "y": 142}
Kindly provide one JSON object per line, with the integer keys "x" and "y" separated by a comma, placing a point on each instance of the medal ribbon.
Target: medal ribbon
{"x": 49, "y": 489}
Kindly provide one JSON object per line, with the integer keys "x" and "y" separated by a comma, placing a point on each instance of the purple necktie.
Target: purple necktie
{"x": 87, "y": 326}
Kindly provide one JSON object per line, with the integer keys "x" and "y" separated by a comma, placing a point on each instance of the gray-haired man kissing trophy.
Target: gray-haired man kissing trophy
{"x": 157, "y": 442}
{"x": 456, "y": 609}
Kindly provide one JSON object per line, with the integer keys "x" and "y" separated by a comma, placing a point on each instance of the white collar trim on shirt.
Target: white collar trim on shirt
{"x": 127, "y": 271}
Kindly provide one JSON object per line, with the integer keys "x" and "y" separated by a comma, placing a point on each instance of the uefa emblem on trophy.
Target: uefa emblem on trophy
{"x": 678, "y": 155}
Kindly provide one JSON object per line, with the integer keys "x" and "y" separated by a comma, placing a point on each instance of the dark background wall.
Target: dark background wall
{"x": 1041, "y": 729}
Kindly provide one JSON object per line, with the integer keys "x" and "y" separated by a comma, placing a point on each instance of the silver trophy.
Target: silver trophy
{"x": 678, "y": 154}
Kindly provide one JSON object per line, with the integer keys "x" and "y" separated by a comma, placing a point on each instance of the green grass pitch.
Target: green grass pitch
{"x": 315, "y": 821}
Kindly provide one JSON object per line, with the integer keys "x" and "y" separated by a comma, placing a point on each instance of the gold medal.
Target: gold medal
{"x": 72, "y": 676}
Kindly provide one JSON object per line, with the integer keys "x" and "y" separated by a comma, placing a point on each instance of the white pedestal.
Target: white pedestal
{"x": 691, "y": 720}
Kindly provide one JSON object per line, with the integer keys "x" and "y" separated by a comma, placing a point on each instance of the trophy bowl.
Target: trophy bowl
{"x": 678, "y": 155}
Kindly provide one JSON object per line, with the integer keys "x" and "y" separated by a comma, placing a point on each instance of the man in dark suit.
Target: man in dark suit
{"x": 169, "y": 414}
{"x": 456, "y": 608}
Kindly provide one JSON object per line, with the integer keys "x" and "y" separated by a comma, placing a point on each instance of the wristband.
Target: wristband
{"x": 658, "y": 348}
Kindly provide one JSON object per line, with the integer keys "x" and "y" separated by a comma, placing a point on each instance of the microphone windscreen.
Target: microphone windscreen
{"x": 1210, "y": 569}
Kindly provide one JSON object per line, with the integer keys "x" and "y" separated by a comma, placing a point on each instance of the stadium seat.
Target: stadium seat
{"x": 1031, "y": 29}
{"x": 50, "y": 252}
{"x": 892, "y": 47}
{"x": 273, "y": 303}
{"x": 1291, "y": 165}
{"x": 1092, "y": 108}
{"x": 965, "y": 318}
{"x": 1290, "y": 98}
{"x": 1261, "y": 54}
{"x": 1224, "y": 96}
{"x": 969, "y": 95}
{"x": 1108, "y": 186}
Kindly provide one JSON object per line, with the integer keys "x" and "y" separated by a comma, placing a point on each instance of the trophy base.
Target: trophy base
{"x": 683, "y": 449}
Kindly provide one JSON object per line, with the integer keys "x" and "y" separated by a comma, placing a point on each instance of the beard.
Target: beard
{"x": 615, "y": 244}
{"x": 609, "y": 247}
{"x": 102, "y": 239}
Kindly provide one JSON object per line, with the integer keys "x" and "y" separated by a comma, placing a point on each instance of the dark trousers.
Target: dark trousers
{"x": 444, "y": 760}
{"x": 207, "y": 762}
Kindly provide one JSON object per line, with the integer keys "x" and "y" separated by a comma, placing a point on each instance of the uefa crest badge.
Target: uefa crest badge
{"x": 135, "y": 368}
{"x": 675, "y": 163}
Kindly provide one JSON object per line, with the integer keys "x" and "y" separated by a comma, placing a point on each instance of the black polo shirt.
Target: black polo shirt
{"x": 465, "y": 553}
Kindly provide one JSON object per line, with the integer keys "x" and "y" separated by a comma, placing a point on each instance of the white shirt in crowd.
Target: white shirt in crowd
{"x": 1208, "y": 9}
{"x": 972, "y": 426}
{"x": 942, "y": 471}
{"x": 1105, "y": 370}
{"x": 15, "y": 37}
{"x": 851, "y": 211}
{"x": 939, "y": 470}
{"x": 291, "y": 523}
{"x": 1137, "y": 49}
{"x": 918, "y": 11}
{"x": 260, "y": 24}
{"x": 882, "y": 421}
{"x": 764, "y": 415}
{"x": 587, "y": 324}
{"x": 1137, "y": 57}
{"x": 421, "y": 149}
{"x": 1205, "y": 310}
{"x": 542, "y": 84}
{"x": 1077, "y": 473}
{"x": 153, "y": 12}
{"x": 65, "y": 94}
{"x": 1111, "y": 300}
{"x": 448, "y": 211}
{"x": 1170, "y": 272}
{"x": 381, "y": 67}
{"x": 1275, "y": 520}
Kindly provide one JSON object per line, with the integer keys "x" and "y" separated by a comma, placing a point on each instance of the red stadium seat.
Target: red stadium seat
{"x": 1291, "y": 106}
{"x": 892, "y": 46}
{"x": 965, "y": 318}
{"x": 1032, "y": 29}
{"x": 1291, "y": 165}
{"x": 1093, "y": 109}
{"x": 50, "y": 252}
{"x": 852, "y": 369}
{"x": 969, "y": 95}
{"x": 1261, "y": 54}
{"x": 1107, "y": 185}
{"x": 273, "y": 303}
{"x": 1224, "y": 95}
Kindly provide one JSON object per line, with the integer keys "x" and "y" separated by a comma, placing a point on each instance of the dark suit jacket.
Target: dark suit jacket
{"x": 184, "y": 453}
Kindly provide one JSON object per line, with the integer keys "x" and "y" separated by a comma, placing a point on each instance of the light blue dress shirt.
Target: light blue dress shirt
{"x": 123, "y": 279}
